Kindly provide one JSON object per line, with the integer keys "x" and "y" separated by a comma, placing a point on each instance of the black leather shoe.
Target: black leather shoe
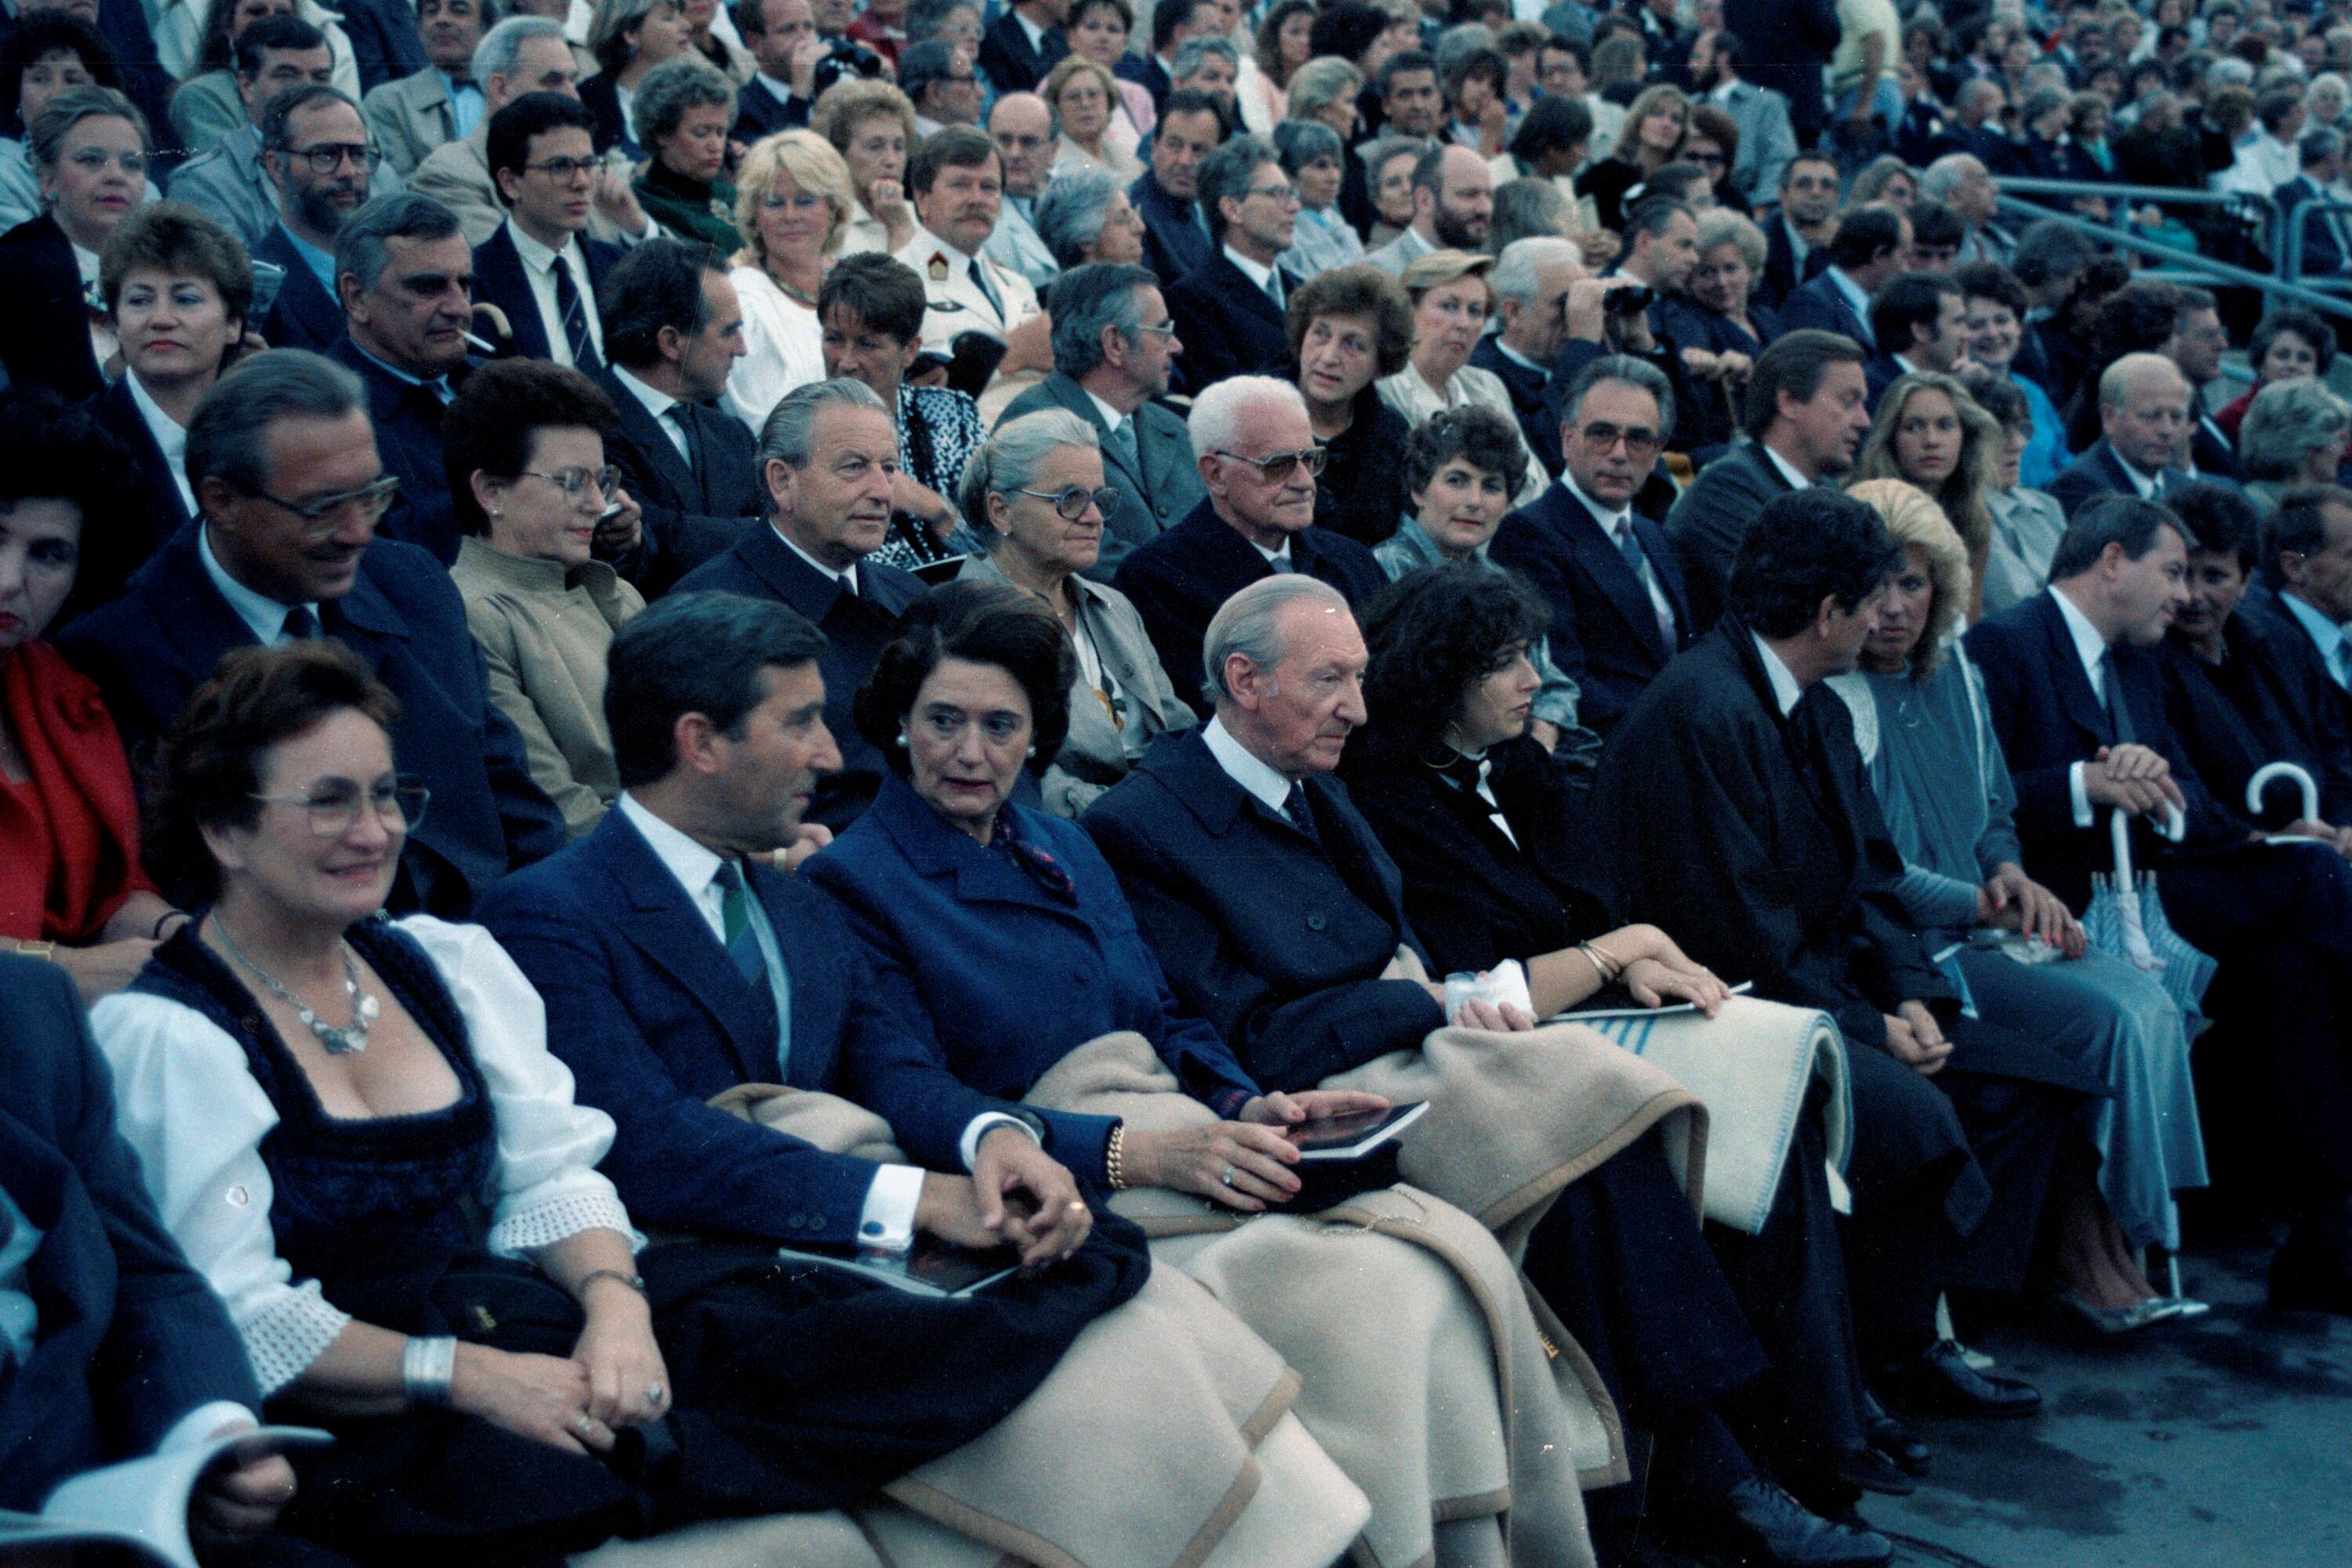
{"x": 1764, "y": 1525}
{"x": 1939, "y": 1380}
{"x": 1875, "y": 1471}
{"x": 1893, "y": 1439}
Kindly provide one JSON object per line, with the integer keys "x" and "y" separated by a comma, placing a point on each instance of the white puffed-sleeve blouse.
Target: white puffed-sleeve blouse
{"x": 188, "y": 1102}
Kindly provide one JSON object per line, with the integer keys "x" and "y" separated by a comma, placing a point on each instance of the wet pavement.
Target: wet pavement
{"x": 2223, "y": 1443}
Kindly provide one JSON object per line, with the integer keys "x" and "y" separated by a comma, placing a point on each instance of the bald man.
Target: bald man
{"x": 2143, "y": 419}
{"x": 1023, "y": 128}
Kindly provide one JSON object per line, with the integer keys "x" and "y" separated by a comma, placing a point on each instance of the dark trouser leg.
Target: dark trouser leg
{"x": 2015, "y": 1128}
{"x": 1917, "y": 1191}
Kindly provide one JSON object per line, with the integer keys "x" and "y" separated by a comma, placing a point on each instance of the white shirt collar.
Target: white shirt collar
{"x": 1799, "y": 246}
{"x": 1256, "y": 272}
{"x": 170, "y": 436}
{"x": 2324, "y": 634}
{"x": 923, "y": 233}
{"x": 535, "y": 256}
{"x": 1516, "y": 357}
{"x": 1279, "y": 553}
{"x": 263, "y": 616}
{"x": 1786, "y": 692}
{"x": 694, "y": 866}
{"x": 844, "y": 575}
{"x": 1787, "y": 470}
{"x": 2143, "y": 483}
{"x": 1610, "y": 517}
{"x": 2090, "y": 646}
{"x": 1902, "y": 362}
{"x": 782, "y": 89}
{"x": 1036, "y": 34}
{"x": 1243, "y": 768}
{"x": 1855, "y": 294}
{"x": 658, "y": 403}
{"x": 1110, "y": 416}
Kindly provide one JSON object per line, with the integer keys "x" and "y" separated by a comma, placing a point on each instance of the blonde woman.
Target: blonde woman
{"x": 1083, "y": 95}
{"x": 793, "y": 203}
{"x": 1931, "y": 433}
{"x": 872, "y": 125}
{"x": 1451, "y": 302}
{"x": 1652, "y": 138}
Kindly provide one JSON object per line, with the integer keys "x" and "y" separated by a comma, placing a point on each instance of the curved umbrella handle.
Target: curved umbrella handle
{"x": 2270, "y": 772}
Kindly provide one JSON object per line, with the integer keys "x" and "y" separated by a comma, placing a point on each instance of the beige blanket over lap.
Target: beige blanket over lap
{"x": 1433, "y": 1376}
{"x": 1145, "y": 1445}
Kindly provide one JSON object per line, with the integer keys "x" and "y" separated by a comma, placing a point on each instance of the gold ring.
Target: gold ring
{"x": 585, "y": 1424}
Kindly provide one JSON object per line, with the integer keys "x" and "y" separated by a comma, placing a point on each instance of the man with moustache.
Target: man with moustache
{"x": 228, "y": 183}
{"x": 1453, "y": 203}
{"x": 315, "y": 150}
{"x": 957, "y": 182}
{"x": 283, "y": 458}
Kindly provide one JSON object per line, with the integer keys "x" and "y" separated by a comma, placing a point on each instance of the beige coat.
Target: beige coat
{"x": 1095, "y": 755}
{"x": 458, "y": 175}
{"x": 410, "y": 118}
{"x": 545, "y": 633}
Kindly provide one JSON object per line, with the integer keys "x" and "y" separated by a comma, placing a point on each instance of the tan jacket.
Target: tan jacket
{"x": 458, "y": 175}
{"x": 410, "y": 118}
{"x": 545, "y": 633}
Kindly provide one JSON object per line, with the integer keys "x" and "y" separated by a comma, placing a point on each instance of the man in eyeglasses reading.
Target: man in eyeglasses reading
{"x": 1257, "y": 457}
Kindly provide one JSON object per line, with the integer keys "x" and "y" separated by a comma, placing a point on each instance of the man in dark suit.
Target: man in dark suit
{"x": 656, "y": 1009}
{"x": 1175, "y": 233}
{"x": 115, "y": 1348}
{"x": 1114, "y": 344}
{"x": 1257, "y": 456}
{"x": 1804, "y": 221}
{"x": 2327, "y": 235}
{"x": 673, "y": 327}
{"x": 301, "y": 128}
{"x": 826, "y": 465}
{"x": 1787, "y": 45}
{"x": 406, "y": 278}
{"x": 1531, "y": 280}
{"x": 1277, "y": 914}
{"x": 1872, "y": 246}
{"x": 2307, "y": 587}
{"x": 1619, "y": 612}
{"x": 2144, "y": 403}
{"x": 2076, "y": 700}
{"x": 541, "y": 269}
{"x": 2198, "y": 341}
{"x": 285, "y": 434}
{"x": 1172, "y": 25}
{"x": 1026, "y": 43}
{"x": 1230, "y": 309}
{"x": 1808, "y": 409}
{"x": 1920, "y": 322}
{"x": 783, "y": 38}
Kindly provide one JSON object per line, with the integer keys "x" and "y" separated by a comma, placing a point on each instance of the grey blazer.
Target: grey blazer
{"x": 1150, "y": 502}
{"x": 228, "y": 185}
{"x": 1098, "y": 753}
{"x": 410, "y": 118}
{"x": 458, "y": 175}
{"x": 1767, "y": 143}
{"x": 207, "y": 112}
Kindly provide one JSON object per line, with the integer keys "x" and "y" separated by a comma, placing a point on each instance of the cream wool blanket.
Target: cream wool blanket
{"x": 1163, "y": 1439}
{"x": 1427, "y": 1374}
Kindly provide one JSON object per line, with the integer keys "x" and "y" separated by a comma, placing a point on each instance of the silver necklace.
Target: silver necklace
{"x": 348, "y": 1041}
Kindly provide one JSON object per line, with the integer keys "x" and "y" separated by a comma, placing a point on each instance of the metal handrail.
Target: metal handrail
{"x": 2024, "y": 185}
{"x": 2222, "y": 271}
{"x": 2294, "y": 224}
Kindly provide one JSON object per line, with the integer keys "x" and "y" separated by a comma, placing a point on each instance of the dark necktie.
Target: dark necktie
{"x": 2118, "y": 709}
{"x": 301, "y": 624}
{"x": 979, "y": 280}
{"x": 742, "y": 938}
{"x": 574, "y": 312}
{"x": 1295, "y": 811}
{"x": 1122, "y": 441}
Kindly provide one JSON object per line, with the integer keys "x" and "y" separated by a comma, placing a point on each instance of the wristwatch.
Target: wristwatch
{"x": 37, "y": 949}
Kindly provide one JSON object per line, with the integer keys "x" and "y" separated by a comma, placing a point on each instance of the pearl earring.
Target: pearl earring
{"x": 1033, "y": 751}
{"x": 902, "y": 740}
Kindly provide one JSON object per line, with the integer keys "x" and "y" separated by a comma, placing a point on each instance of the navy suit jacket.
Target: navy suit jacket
{"x": 1146, "y": 72}
{"x": 500, "y": 280}
{"x": 1228, "y": 324}
{"x": 692, "y": 515}
{"x": 654, "y": 1019}
{"x": 407, "y": 420}
{"x": 758, "y": 114}
{"x": 1277, "y": 939}
{"x": 1819, "y": 303}
{"x": 303, "y": 315}
{"x": 1530, "y": 390}
{"x": 2098, "y": 472}
{"x": 1780, "y": 262}
{"x": 1179, "y": 580}
{"x": 1604, "y": 630}
{"x": 2322, "y": 257}
{"x": 132, "y": 1338}
{"x": 149, "y": 650}
{"x": 997, "y": 979}
{"x": 44, "y": 331}
{"x": 2047, "y": 719}
{"x": 1174, "y": 243}
{"x": 1008, "y": 60}
{"x": 857, "y": 629}
{"x": 113, "y": 548}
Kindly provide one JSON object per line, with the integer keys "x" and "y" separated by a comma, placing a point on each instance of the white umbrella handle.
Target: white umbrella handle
{"x": 2262, "y": 780}
{"x": 2119, "y": 835}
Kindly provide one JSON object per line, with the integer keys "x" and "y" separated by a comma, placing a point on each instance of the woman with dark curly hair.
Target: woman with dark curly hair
{"x": 1348, "y": 327}
{"x": 45, "y": 53}
{"x": 2287, "y": 344}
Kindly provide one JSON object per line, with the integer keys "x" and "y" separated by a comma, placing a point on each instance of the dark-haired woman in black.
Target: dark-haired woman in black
{"x": 1480, "y": 823}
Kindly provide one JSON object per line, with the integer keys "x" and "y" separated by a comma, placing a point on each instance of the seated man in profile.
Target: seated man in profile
{"x": 111, "y": 1348}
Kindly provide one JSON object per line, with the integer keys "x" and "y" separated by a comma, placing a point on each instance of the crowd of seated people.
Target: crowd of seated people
{"x": 632, "y": 638}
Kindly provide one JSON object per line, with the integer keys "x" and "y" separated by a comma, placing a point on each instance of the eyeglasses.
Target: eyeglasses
{"x": 1281, "y": 193}
{"x": 1637, "y": 437}
{"x": 1072, "y": 503}
{"x": 334, "y": 805}
{"x": 374, "y": 499}
{"x": 562, "y": 170}
{"x": 1280, "y": 466}
{"x": 572, "y": 481}
{"x": 94, "y": 160}
{"x": 327, "y": 156}
{"x": 1165, "y": 329}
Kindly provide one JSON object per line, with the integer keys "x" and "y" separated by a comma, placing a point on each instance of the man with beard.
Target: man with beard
{"x": 227, "y": 184}
{"x": 1453, "y": 203}
{"x": 1767, "y": 143}
{"x": 315, "y": 150}
{"x": 1808, "y": 409}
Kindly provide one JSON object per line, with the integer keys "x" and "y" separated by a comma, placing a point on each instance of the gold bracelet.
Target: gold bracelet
{"x": 1609, "y": 969}
{"x": 634, "y": 1281}
{"x": 1115, "y": 1157}
{"x": 36, "y": 950}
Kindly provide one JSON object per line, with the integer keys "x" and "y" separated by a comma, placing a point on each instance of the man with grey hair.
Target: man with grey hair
{"x": 2327, "y": 235}
{"x": 1453, "y": 203}
{"x": 520, "y": 54}
{"x": 1960, "y": 181}
{"x": 1257, "y": 459}
{"x": 2144, "y": 420}
{"x": 314, "y": 150}
{"x": 290, "y": 489}
{"x": 828, "y": 463}
{"x": 939, "y": 79}
{"x": 1023, "y": 128}
{"x": 1232, "y": 309}
{"x": 1114, "y": 345}
{"x": 1531, "y": 282}
{"x": 1620, "y": 611}
{"x": 1207, "y": 66}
